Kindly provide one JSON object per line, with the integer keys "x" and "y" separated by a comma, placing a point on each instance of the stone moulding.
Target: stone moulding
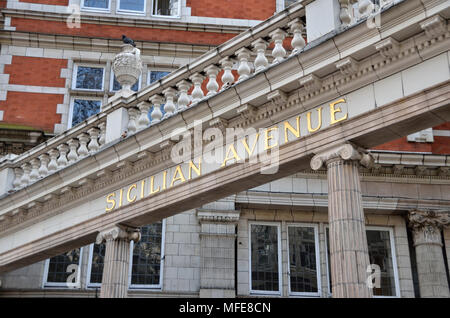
{"x": 218, "y": 216}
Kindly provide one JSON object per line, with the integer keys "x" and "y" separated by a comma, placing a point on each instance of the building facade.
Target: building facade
{"x": 336, "y": 182}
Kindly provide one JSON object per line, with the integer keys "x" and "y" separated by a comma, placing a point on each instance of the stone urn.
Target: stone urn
{"x": 127, "y": 67}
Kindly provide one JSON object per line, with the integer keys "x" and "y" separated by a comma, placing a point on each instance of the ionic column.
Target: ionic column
{"x": 426, "y": 227}
{"x": 348, "y": 241}
{"x": 117, "y": 260}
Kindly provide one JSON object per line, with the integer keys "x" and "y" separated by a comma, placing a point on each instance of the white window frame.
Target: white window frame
{"x": 279, "y": 251}
{"x": 161, "y": 268}
{"x": 166, "y": 16}
{"x": 86, "y": 8}
{"x": 89, "y": 269}
{"x": 72, "y": 101}
{"x": 134, "y": 12}
{"x": 111, "y": 81}
{"x": 77, "y": 284}
{"x": 394, "y": 259}
{"x": 317, "y": 250}
{"x": 158, "y": 69}
{"x": 74, "y": 76}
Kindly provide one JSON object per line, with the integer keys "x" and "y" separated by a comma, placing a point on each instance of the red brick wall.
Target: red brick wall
{"x": 50, "y": 2}
{"x": 36, "y": 71}
{"x": 233, "y": 9}
{"x": 32, "y": 109}
{"x": 115, "y": 32}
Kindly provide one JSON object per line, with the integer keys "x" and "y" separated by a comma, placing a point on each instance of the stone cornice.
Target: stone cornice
{"x": 217, "y": 216}
{"x": 135, "y": 21}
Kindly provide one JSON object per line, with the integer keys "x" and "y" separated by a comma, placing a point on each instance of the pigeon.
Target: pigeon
{"x": 127, "y": 40}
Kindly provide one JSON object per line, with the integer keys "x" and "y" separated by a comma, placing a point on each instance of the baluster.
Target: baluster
{"x": 53, "y": 165}
{"x": 156, "y": 101}
{"x": 212, "y": 86}
{"x": 18, "y": 172}
{"x": 169, "y": 106}
{"x": 244, "y": 70}
{"x": 62, "y": 160}
{"x": 26, "y": 167}
{"x": 227, "y": 77}
{"x": 44, "y": 159}
{"x": 73, "y": 145}
{"x": 261, "y": 61}
{"x": 34, "y": 175}
{"x": 132, "y": 116}
{"x": 102, "y": 139}
{"x": 143, "y": 120}
{"x": 298, "y": 42}
{"x": 278, "y": 51}
{"x": 93, "y": 145}
{"x": 346, "y": 12}
{"x": 83, "y": 150}
{"x": 183, "y": 100}
{"x": 197, "y": 92}
{"x": 365, "y": 8}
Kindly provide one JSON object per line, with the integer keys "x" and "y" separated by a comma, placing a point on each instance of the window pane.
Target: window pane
{"x": 147, "y": 256}
{"x": 132, "y": 5}
{"x": 83, "y": 109}
{"x": 165, "y": 7}
{"x": 157, "y": 75}
{"x": 302, "y": 259}
{"x": 99, "y": 4}
{"x": 380, "y": 254}
{"x": 98, "y": 257}
{"x": 117, "y": 86}
{"x": 264, "y": 257}
{"x": 89, "y": 78}
{"x": 60, "y": 268}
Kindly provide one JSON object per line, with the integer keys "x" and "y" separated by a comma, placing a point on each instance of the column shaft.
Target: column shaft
{"x": 348, "y": 241}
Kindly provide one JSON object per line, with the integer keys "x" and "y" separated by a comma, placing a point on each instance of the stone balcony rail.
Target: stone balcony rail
{"x": 246, "y": 55}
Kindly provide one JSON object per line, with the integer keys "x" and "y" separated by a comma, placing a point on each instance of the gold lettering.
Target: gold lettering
{"x": 175, "y": 178}
{"x": 295, "y": 132}
{"x": 142, "y": 188}
{"x": 247, "y": 148}
{"x": 164, "y": 180}
{"x": 129, "y": 191}
{"x": 235, "y": 155}
{"x": 152, "y": 183}
{"x": 334, "y": 110}
{"x": 198, "y": 170}
{"x": 110, "y": 200}
{"x": 121, "y": 196}
{"x": 266, "y": 144}
{"x": 319, "y": 112}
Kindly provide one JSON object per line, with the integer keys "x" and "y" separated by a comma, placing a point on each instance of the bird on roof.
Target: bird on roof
{"x": 127, "y": 40}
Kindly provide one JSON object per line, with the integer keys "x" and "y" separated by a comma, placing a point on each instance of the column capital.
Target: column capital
{"x": 119, "y": 232}
{"x": 344, "y": 152}
{"x": 427, "y": 225}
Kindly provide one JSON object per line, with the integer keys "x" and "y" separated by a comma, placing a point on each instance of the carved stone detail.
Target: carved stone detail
{"x": 342, "y": 152}
{"x": 119, "y": 232}
{"x": 127, "y": 67}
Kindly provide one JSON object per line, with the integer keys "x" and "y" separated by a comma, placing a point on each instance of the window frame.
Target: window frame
{"x": 77, "y": 284}
{"x": 315, "y": 226}
{"x": 393, "y": 254}
{"x": 74, "y": 77}
{"x": 90, "y": 285}
{"x": 279, "y": 258}
{"x": 94, "y": 9}
{"x": 161, "y": 264}
{"x": 111, "y": 82}
{"x": 178, "y": 16}
{"x": 72, "y": 101}
{"x": 132, "y": 12}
